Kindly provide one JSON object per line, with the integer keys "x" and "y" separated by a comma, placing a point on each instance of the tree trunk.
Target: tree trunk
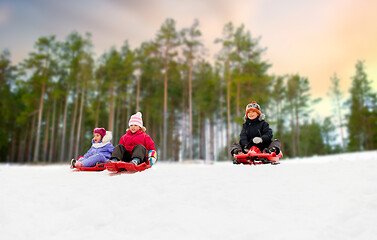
{"x": 184, "y": 131}
{"x": 220, "y": 120}
{"x": 117, "y": 130}
{"x": 82, "y": 144}
{"x": 147, "y": 123}
{"x": 340, "y": 124}
{"x": 96, "y": 117}
{"x": 47, "y": 133}
{"x": 165, "y": 127}
{"x": 21, "y": 146}
{"x": 78, "y": 132}
{"x": 123, "y": 122}
{"x": 228, "y": 106}
{"x": 238, "y": 98}
{"x": 184, "y": 121}
{"x": 171, "y": 143}
{"x": 111, "y": 109}
{"x": 41, "y": 102}
{"x": 202, "y": 134}
{"x": 73, "y": 122}
{"x": 298, "y": 133}
{"x": 293, "y": 137}
{"x": 52, "y": 139}
{"x": 190, "y": 109}
{"x": 160, "y": 132}
{"x": 211, "y": 140}
{"x": 370, "y": 135}
{"x": 138, "y": 92}
{"x": 31, "y": 139}
{"x": 64, "y": 130}
{"x": 12, "y": 151}
{"x": 176, "y": 149}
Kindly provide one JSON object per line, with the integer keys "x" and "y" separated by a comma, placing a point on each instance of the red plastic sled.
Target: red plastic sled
{"x": 97, "y": 168}
{"x": 255, "y": 157}
{"x": 125, "y": 166}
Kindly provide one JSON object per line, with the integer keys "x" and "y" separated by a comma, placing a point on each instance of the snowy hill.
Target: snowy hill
{"x": 331, "y": 197}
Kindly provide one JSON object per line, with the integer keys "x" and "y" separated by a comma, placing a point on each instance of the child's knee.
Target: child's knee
{"x": 139, "y": 146}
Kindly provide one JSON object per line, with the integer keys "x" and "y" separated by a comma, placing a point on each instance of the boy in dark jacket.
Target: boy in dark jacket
{"x": 255, "y": 132}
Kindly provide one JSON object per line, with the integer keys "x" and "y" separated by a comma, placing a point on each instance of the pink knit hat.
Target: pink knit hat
{"x": 136, "y": 120}
{"x": 100, "y": 131}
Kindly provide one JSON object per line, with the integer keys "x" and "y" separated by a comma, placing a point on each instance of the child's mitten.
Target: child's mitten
{"x": 152, "y": 156}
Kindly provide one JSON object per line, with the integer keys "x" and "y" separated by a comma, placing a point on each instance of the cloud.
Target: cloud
{"x": 4, "y": 15}
{"x": 312, "y": 38}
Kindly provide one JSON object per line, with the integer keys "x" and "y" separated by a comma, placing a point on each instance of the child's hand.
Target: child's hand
{"x": 152, "y": 156}
{"x": 257, "y": 140}
{"x": 152, "y": 160}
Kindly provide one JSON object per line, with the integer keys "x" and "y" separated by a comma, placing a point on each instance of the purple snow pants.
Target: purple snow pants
{"x": 92, "y": 160}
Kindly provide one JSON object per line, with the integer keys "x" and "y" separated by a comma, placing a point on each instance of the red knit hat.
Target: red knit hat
{"x": 253, "y": 106}
{"x": 100, "y": 131}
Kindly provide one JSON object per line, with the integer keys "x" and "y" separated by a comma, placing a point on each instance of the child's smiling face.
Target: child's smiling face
{"x": 252, "y": 115}
{"x": 134, "y": 128}
{"x": 96, "y": 137}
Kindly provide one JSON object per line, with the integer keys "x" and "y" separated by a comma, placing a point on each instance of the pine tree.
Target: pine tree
{"x": 206, "y": 102}
{"x": 328, "y": 135}
{"x": 167, "y": 40}
{"x": 191, "y": 47}
{"x": 75, "y": 49}
{"x": 278, "y": 94}
{"x": 359, "y": 128}
{"x": 225, "y": 56}
{"x": 299, "y": 100}
{"x": 9, "y": 104}
{"x": 337, "y": 95}
{"x": 43, "y": 64}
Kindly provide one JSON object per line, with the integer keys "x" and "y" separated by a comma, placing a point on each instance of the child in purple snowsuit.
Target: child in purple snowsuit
{"x": 100, "y": 151}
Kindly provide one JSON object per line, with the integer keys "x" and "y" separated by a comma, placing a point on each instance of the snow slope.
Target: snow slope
{"x": 331, "y": 197}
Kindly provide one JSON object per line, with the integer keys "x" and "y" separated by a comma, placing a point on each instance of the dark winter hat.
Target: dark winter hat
{"x": 100, "y": 131}
{"x": 253, "y": 106}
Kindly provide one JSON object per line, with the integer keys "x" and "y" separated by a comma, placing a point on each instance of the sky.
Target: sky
{"x": 314, "y": 38}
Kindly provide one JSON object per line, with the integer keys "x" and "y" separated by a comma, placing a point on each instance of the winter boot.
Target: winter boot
{"x": 275, "y": 146}
{"x": 274, "y": 149}
{"x": 135, "y": 161}
{"x": 235, "y": 149}
{"x": 112, "y": 160}
{"x": 73, "y": 163}
{"x": 100, "y": 164}
{"x": 235, "y": 161}
{"x": 265, "y": 160}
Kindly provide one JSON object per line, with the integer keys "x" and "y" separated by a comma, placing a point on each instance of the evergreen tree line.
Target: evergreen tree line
{"x": 192, "y": 109}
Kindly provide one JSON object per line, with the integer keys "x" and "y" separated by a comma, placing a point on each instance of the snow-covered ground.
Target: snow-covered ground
{"x": 331, "y": 197}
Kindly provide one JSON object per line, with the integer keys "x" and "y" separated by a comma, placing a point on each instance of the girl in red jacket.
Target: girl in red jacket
{"x": 135, "y": 146}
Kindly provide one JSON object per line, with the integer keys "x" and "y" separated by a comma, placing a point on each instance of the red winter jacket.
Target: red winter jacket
{"x": 130, "y": 140}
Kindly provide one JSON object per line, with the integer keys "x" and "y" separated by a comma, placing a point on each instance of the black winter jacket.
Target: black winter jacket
{"x": 255, "y": 128}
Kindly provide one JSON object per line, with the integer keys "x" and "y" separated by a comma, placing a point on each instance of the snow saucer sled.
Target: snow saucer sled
{"x": 254, "y": 157}
{"x": 97, "y": 168}
{"x": 125, "y": 166}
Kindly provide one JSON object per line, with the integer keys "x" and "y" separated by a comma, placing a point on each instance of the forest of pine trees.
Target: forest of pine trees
{"x": 193, "y": 109}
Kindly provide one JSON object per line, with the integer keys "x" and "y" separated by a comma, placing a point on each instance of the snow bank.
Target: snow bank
{"x": 332, "y": 197}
